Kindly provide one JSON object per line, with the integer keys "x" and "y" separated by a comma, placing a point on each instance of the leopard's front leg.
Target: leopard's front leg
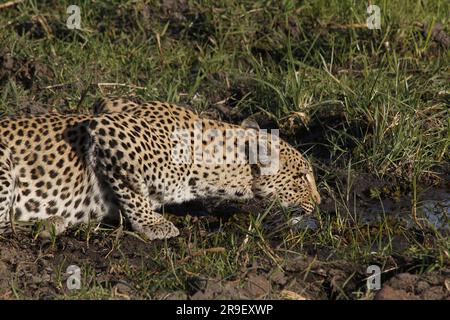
{"x": 126, "y": 180}
{"x": 137, "y": 208}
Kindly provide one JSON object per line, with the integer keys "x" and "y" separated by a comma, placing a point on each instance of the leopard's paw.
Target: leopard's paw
{"x": 50, "y": 228}
{"x": 161, "y": 230}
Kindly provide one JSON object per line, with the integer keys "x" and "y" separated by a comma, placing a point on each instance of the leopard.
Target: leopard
{"x": 130, "y": 159}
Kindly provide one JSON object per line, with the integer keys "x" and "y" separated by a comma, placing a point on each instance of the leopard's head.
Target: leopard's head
{"x": 291, "y": 180}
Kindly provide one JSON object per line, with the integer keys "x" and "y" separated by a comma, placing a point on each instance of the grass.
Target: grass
{"x": 357, "y": 102}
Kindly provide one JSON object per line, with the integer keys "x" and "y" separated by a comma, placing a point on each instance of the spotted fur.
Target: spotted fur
{"x": 77, "y": 168}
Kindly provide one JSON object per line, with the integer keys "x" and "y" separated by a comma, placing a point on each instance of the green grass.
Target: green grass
{"x": 373, "y": 102}
{"x": 279, "y": 57}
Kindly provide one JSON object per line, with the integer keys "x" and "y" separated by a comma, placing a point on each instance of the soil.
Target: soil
{"x": 407, "y": 286}
{"x": 26, "y": 72}
{"x": 36, "y": 269}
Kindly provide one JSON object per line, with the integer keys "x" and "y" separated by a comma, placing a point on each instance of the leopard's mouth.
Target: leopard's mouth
{"x": 298, "y": 208}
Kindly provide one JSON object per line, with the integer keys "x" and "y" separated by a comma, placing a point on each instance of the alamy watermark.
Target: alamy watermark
{"x": 374, "y": 20}
{"x": 215, "y": 146}
{"x": 73, "y": 282}
{"x": 74, "y": 20}
{"x": 374, "y": 279}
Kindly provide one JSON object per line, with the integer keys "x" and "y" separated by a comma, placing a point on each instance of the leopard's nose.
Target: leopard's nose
{"x": 313, "y": 189}
{"x": 317, "y": 198}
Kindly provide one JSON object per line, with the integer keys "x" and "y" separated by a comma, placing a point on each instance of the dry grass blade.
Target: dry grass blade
{"x": 291, "y": 295}
{"x": 10, "y": 4}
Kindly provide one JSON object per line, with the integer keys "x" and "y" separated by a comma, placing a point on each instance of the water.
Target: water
{"x": 433, "y": 210}
{"x": 437, "y": 213}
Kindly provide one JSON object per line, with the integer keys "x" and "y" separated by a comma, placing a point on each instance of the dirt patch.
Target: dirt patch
{"x": 25, "y": 71}
{"x": 406, "y": 286}
{"x": 255, "y": 286}
{"x": 122, "y": 266}
{"x": 34, "y": 269}
{"x": 42, "y": 26}
{"x": 436, "y": 33}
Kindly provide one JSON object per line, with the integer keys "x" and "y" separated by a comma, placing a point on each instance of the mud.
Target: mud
{"x": 111, "y": 261}
{"x": 33, "y": 270}
{"x": 407, "y": 286}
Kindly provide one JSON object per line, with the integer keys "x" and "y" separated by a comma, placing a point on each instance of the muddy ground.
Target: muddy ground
{"x": 30, "y": 269}
{"x": 117, "y": 264}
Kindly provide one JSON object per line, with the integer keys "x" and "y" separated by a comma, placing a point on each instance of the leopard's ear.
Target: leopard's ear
{"x": 250, "y": 123}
